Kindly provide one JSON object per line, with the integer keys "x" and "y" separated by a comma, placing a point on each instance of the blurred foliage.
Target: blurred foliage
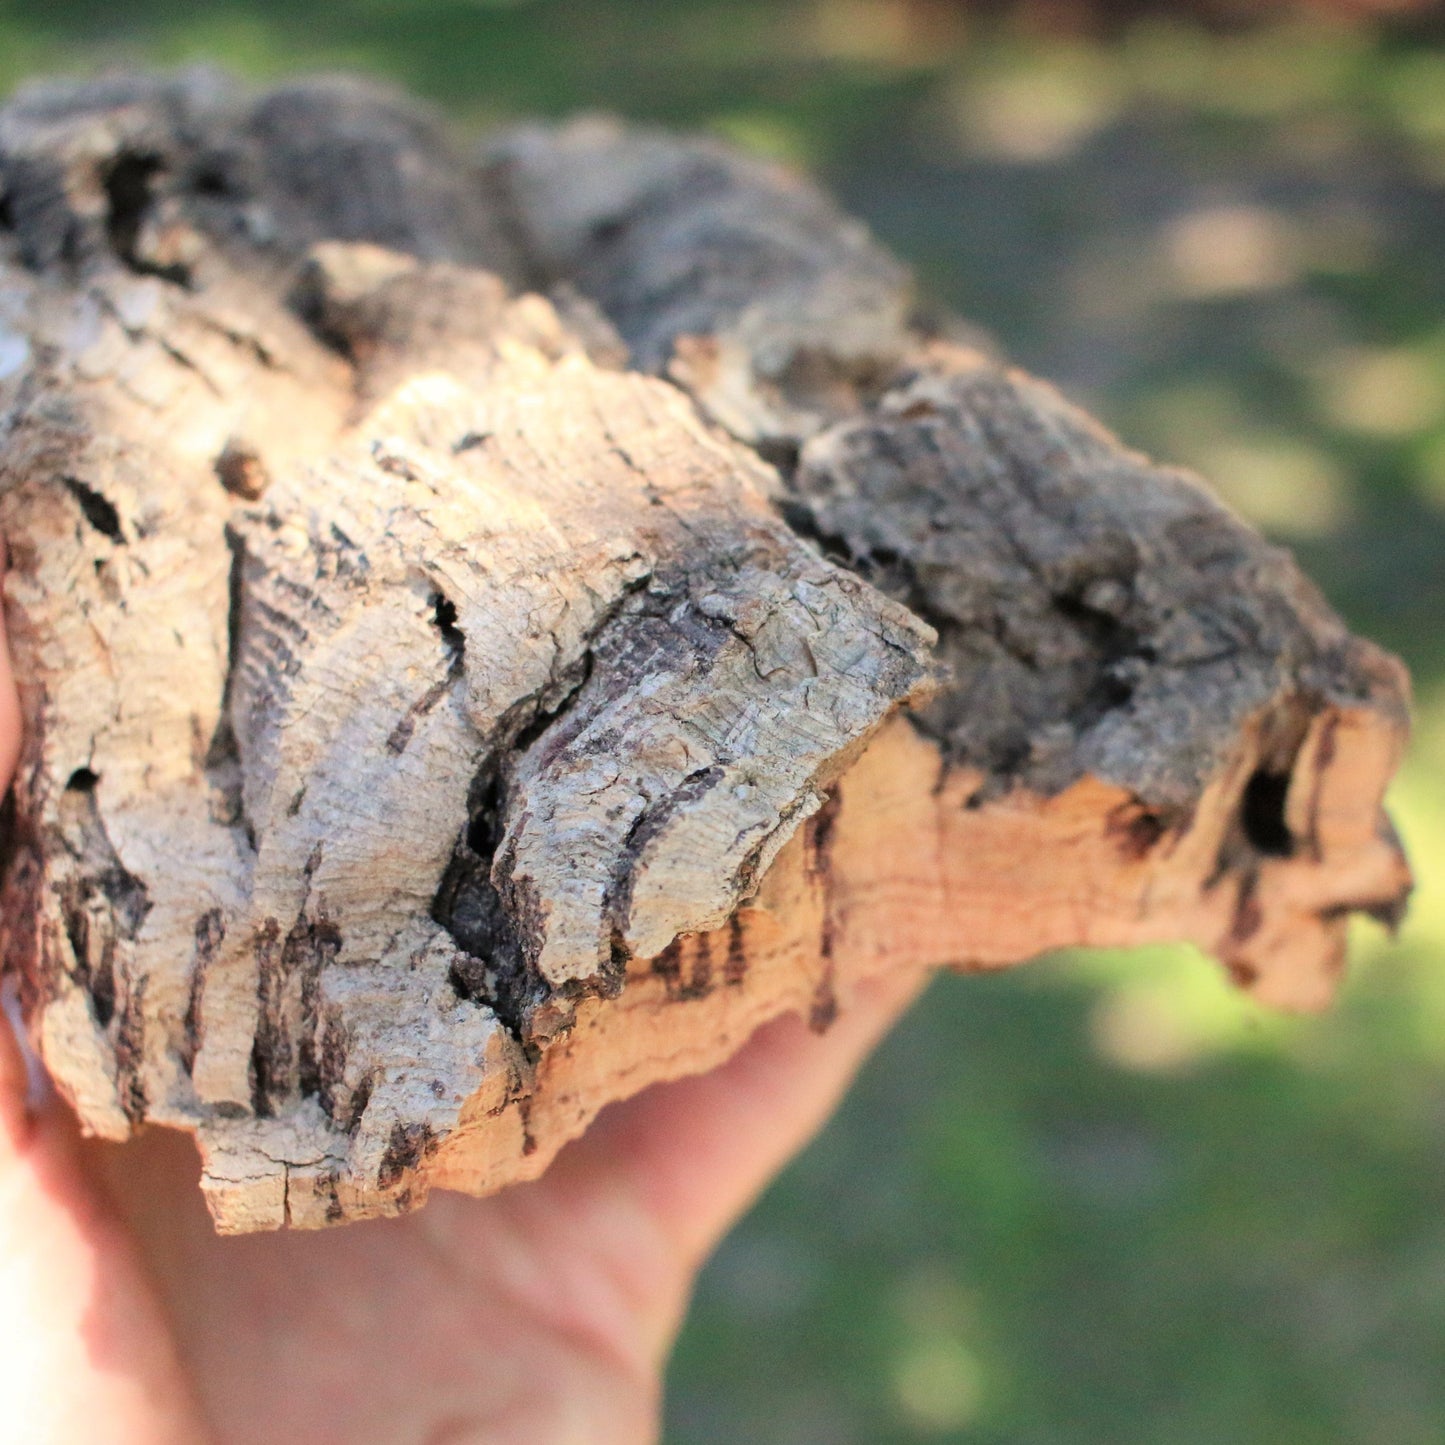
{"x": 1103, "y": 1199}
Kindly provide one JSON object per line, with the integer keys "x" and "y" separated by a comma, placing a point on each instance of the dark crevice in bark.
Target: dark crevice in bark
{"x": 454, "y": 643}
{"x": 98, "y": 509}
{"x": 222, "y": 760}
{"x": 444, "y": 618}
{"x": 130, "y": 1053}
{"x": 311, "y": 947}
{"x": 270, "y": 1050}
{"x": 1259, "y": 829}
{"x": 308, "y": 300}
{"x": 494, "y": 968}
{"x": 210, "y": 934}
{"x": 285, "y": 1061}
{"x": 478, "y": 901}
{"x": 1262, "y": 813}
{"x": 102, "y": 903}
{"x": 130, "y": 182}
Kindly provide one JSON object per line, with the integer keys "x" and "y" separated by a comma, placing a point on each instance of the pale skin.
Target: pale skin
{"x": 541, "y": 1316}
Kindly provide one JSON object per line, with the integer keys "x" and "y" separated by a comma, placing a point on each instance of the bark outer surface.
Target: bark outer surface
{"x": 493, "y": 630}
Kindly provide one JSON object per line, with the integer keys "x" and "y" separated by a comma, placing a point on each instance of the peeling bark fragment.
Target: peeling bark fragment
{"x": 434, "y": 728}
{"x": 719, "y": 707}
{"x": 732, "y": 276}
{"x": 1095, "y": 611}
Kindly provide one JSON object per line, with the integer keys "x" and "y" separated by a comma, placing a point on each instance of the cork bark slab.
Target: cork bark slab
{"x": 494, "y": 629}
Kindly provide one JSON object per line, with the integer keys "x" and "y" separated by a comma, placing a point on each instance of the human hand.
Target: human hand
{"x": 541, "y": 1315}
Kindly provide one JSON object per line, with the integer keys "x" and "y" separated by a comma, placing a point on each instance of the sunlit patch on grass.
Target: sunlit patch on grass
{"x": 1040, "y": 112}
{"x": 1430, "y": 471}
{"x": 1281, "y": 483}
{"x": 938, "y": 1383}
{"x": 1384, "y": 392}
{"x": 1141, "y": 1028}
{"x": 1168, "y": 1009}
{"x": 1267, "y": 73}
{"x": 940, "y": 1380}
{"x": 1417, "y": 803}
{"x": 1414, "y": 89}
{"x": 893, "y": 33}
{"x": 766, "y": 133}
{"x": 1228, "y": 250}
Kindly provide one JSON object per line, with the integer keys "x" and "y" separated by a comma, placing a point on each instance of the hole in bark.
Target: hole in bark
{"x": 1262, "y": 814}
{"x": 82, "y": 780}
{"x": 803, "y": 522}
{"x": 98, "y": 510}
{"x": 102, "y": 995}
{"x": 444, "y": 619}
{"x": 1116, "y": 644}
{"x": 1107, "y": 694}
{"x": 128, "y": 194}
{"x": 492, "y": 969}
{"x": 129, "y": 190}
{"x": 609, "y": 231}
{"x": 484, "y": 825}
{"x": 780, "y": 452}
{"x": 210, "y": 179}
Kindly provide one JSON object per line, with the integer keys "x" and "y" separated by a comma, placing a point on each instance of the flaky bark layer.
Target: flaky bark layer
{"x": 451, "y": 707}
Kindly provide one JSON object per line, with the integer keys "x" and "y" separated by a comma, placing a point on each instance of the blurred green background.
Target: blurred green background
{"x": 1101, "y": 1199}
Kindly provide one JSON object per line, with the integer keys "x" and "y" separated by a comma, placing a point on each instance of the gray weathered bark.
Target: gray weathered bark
{"x": 456, "y": 602}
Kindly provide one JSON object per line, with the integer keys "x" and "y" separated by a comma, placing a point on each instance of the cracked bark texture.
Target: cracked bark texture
{"x": 494, "y": 631}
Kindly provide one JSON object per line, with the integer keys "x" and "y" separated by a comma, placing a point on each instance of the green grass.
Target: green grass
{"x": 1103, "y": 1199}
